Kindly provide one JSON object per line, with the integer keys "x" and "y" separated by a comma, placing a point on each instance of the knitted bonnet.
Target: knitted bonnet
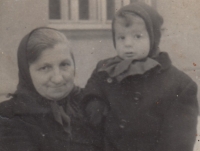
{"x": 152, "y": 19}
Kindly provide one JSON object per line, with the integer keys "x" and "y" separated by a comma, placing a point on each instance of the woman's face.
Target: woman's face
{"x": 53, "y": 72}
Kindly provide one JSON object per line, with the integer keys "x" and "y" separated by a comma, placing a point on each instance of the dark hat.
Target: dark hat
{"x": 151, "y": 18}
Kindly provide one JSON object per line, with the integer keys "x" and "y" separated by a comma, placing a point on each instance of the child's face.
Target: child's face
{"x": 132, "y": 42}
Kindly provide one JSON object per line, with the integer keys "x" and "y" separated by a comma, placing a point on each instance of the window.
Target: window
{"x": 54, "y": 9}
{"x": 85, "y": 14}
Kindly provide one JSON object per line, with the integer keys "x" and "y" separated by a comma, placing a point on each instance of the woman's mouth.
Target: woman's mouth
{"x": 57, "y": 86}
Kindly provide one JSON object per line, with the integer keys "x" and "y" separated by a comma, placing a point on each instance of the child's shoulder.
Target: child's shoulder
{"x": 103, "y": 62}
{"x": 180, "y": 74}
{"x": 179, "y": 77}
{"x": 170, "y": 70}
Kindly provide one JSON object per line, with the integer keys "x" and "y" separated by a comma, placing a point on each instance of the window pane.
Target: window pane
{"x": 83, "y": 10}
{"x": 110, "y": 9}
{"x": 93, "y": 9}
{"x": 54, "y": 9}
{"x": 133, "y": 1}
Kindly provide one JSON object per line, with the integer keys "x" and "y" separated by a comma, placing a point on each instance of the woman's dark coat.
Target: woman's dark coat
{"x": 31, "y": 126}
{"x": 156, "y": 111}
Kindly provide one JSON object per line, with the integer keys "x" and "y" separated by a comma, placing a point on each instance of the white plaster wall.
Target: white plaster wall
{"x": 17, "y": 18}
{"x": 181, "y": 35}
{"x": 180, "y": 38}
{"x": 89, "y": 47}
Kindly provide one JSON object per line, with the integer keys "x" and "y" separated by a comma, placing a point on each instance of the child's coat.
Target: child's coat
{"x": 156, "y": 111}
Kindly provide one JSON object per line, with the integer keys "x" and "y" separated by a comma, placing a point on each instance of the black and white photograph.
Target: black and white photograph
{"x": 99, "y": 75}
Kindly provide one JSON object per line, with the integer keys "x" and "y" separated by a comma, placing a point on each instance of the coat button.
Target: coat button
{"x": 137, "y": 96}
{"x": 121, "y": 126}
{"x": 123, "y": 123}
{"x": 109, "y": 80}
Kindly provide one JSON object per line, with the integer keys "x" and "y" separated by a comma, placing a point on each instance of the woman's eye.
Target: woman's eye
{"x": 65, "y": 64}
{"x": 45, "y": 68}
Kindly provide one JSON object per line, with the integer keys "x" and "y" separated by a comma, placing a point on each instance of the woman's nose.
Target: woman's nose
{"x": 57, "y": 76}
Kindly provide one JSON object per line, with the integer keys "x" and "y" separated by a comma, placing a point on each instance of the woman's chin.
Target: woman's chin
{"x": 56, "y": 96}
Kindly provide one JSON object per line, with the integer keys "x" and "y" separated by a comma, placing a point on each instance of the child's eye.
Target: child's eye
{"x": 65, "y": 64}
{"x": 138, "y": 36}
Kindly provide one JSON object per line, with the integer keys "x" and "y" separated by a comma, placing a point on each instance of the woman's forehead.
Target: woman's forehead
{"x": 58, "y": 53}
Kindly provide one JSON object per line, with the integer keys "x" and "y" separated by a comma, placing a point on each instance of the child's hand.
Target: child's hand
{"x": 95, "y": 111}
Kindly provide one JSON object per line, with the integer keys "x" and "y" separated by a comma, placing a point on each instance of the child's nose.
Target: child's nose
{"x": 128, "y": 42}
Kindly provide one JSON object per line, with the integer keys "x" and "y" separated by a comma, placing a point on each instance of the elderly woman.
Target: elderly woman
{"x": 43, "y": 114}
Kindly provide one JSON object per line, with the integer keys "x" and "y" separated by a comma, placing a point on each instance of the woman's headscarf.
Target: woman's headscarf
{"x": 29, "y": 101}
{"x": 25, "y": 83}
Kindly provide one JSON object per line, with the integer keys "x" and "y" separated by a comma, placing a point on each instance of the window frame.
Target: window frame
{"x": 75, "y": 24}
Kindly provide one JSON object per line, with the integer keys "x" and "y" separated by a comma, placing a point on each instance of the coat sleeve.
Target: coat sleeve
{"x": 94, "y": 103}
{"x": 93, "y": 87}
{"x": 178, "y": 131}
{"x": 14, "y": 136}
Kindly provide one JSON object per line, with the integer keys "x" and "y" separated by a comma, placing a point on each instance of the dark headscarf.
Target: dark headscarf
{"x": 29, "y": 101}
{"x": 152, "y": 20}
{"x": 25, "y": 82}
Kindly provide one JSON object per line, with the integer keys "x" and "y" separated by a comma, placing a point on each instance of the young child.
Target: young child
{"x": 142, "y": 100}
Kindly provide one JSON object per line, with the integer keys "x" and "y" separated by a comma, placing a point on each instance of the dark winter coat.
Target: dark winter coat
{"x": 156, "y": 111}
{"x": 31, "y": 126}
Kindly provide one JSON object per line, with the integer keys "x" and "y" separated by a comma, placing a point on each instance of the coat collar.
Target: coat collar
{"x": 121, "y": 69}
{"x": 164, "y": 59}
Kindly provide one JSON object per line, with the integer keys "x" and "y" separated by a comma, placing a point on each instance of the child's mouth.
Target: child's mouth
{"x": 129, "y": 54}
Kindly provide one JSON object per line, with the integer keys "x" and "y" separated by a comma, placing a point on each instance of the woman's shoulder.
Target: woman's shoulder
{"x": 17, "y": 130}
{"x": 6, "y": 107}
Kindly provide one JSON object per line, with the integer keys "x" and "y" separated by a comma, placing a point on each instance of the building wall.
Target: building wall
{"x": 180, "y": 38}
{"x": 18, "y": 17}
{"x": 181, "y": 34}
{"x": 89, "y": 47}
